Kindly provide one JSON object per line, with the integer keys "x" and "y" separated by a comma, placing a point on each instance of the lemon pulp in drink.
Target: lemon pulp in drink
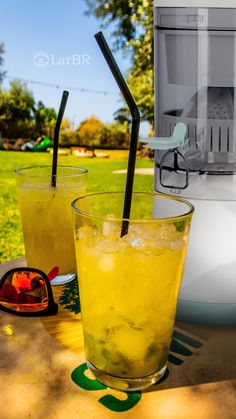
{"x": 128, "y": 290}
{"x": 47, "y": 225}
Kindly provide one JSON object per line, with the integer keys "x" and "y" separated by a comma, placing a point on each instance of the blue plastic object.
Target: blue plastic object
{"x": 166, "y": 143}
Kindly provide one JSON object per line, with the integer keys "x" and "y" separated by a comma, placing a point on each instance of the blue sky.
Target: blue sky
{"x": 52, "y": 41}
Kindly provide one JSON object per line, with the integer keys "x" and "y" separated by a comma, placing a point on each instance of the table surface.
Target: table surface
{"x": 44, "y": 375}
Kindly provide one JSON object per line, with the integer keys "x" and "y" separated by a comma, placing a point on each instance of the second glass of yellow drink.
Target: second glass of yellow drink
{"x": 46, "y": 217}
{"x": 129, "y": 283}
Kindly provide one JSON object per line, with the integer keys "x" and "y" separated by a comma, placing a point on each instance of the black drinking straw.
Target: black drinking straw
{"x": 64, "y": 98}
{"x": 134, "y": 127}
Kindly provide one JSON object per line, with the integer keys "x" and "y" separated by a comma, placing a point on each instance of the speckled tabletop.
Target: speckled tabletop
{"x": 43, "y": 373}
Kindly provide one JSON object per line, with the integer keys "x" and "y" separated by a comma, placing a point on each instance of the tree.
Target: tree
{"x": 65, "y": 124}
{"x": 122, "y": 115}
{"x": 93, "y": 133}
{"x": 67, "y": 135}
{"x": 141, "y": 79}
{"x": 133, "y": 33}
{"x": 141, "y": 87}
{"x": 89, "y": 132}
{"x": 115, "y": 135}
{"x": 2, "y": 51}
{"x": 20, "y": 117}
{"x": 45, "y": 119}
{"x": 16, "y": 111}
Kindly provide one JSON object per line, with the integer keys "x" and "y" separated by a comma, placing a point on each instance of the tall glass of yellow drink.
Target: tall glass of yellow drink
{"x": 129, "y": 285}
{"x": 46, "y": 217}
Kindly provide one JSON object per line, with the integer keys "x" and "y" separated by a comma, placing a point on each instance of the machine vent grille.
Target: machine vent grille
{"x": 210, "y": 135}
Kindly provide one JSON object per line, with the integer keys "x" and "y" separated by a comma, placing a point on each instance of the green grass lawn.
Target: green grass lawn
{"x": 100, "y": 178}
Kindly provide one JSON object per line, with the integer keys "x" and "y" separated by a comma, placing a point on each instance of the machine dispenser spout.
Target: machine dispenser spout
{"x": 172, "y": 145}
{"x": 165, "y": 143}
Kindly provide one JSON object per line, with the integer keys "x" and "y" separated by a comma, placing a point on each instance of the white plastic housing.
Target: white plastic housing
{"x": 226, "y": 4}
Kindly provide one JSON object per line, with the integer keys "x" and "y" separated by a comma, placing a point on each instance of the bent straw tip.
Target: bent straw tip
{"x": 98, "y": 34}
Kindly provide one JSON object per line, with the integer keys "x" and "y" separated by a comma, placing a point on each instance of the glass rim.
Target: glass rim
{"x": 134, "y": 220}
{"x": 22, "y": 171}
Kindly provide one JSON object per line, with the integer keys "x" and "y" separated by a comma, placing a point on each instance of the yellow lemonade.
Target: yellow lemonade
{"x": 46, "y": 216}
{"x": 128, "y": 291}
